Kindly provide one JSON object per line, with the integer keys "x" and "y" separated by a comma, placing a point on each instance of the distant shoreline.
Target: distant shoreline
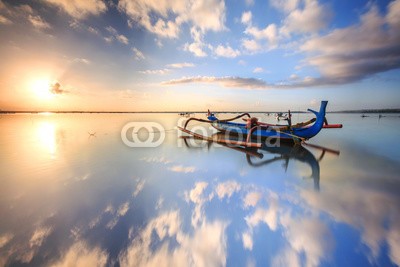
{"x": 363, "y": 111}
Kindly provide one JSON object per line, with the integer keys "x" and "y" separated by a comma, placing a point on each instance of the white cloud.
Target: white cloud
{"x": 165, "y": 18}
{"x": 139, "y": 187}
{"x": 39, "y": 235}
{"x": 247, "y": 240}
{"x": 82, "y": 60}
{"x": 80, "y": 9}
{"x": 246, "y": 18}
{"x": 263, "y": 39}
{"x": 358, "y": 51}
{"x": 213, "y": 10}
{"x": 251, "y": 199}
{"x": 197, "y": 196}
{"x": 205, "y": 247}
{"x": 286, "y": 257}
{"x": 93, "y": 30}
{"x": 368, "y": 215}
{"x": 182, "y": 169}
{"x": 231, "y": 82}
{"x": 5, "y": 238}
{"x": 249, "y": 2}
{"x": 251, "y": 45}
{"x": 160, "y": 72}
{"x": 138, "y": 55}
{"x": 285, "y": 5}
{"x": 123, "y": 209}
{"x": 4, "y": 20}
{"x": 81, "y": 255}
{"x": 258, "y": 70}
{"x": 227, "y": 189}
{"x": 180, "y": 65}
{"x": 38, "y": 22}
{"x": 156, "y": 160}
{"x": 195, "y": 48}
{"x": 309, "y": 236}
{"x": 122, "y": 39}
{"x": 227, "y": 51}
{"x": 119, "y": 37}
{"x": 311, "y": 19}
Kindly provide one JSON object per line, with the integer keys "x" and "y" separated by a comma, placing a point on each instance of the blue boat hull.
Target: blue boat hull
{"x": 272, "y": 132}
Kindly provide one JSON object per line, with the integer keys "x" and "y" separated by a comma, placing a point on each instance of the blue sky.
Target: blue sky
{"x": 193, "y": 55}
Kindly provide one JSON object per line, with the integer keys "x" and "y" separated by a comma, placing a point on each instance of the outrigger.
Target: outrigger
{"x": 297, "y": 133}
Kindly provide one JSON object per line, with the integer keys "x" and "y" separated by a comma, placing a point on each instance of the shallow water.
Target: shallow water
{"x": 73, "y": 193}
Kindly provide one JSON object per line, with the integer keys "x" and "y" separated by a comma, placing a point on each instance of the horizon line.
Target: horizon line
{"x": 385, "y": 110}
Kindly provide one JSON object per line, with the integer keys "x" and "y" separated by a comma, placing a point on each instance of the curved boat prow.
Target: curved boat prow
{"x": 318, "y": 124}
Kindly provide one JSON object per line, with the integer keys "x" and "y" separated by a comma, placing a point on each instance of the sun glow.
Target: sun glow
{"x": 41, "y": 89}
{"x": 46, "y": 137}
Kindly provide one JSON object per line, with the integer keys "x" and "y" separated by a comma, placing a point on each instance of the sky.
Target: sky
{"x": 160, "y": 55}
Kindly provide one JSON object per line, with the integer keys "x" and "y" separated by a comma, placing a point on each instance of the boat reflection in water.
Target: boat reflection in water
{"x": 283, "y": 152}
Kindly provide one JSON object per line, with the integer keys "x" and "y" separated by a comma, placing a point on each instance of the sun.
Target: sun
{"x": 41, "y": 89}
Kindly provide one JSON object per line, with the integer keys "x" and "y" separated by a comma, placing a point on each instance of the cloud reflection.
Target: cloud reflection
{"x": 164, "y": 243}
{"x": 81, "y": 255}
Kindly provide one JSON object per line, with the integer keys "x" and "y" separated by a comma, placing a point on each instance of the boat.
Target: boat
{"x": 252, "y": 128}
{"x": 281, "y": 116}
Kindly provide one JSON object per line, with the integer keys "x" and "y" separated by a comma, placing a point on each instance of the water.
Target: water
{"x": 70, "y": 197}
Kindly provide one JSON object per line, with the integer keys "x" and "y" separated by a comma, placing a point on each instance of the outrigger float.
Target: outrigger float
{"x": 297, "y": 133}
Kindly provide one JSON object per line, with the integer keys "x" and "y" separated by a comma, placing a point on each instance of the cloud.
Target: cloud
{"x": 356, "y": 52}
{"x": 156, "y": 160}
{"x": 258, "y": 39}
{"x": 38, "y": 22}
{"x": 4, "y": 20}
{"x": 247, "y": 240}
{"x": 227, "y": 51}
{"x": 206, "y": 246}
{"x": 5, "y": 238}
{"x": 56, "y": 89}
{"x": 182, "y": 169}
{"x": 376, "y": 217}
{"x": 39, "y": 235}
{"x": 226, "y": 189}
{"x": 258, "y": 70}
{"x": 160, "y": 72}
{"x": 246, "y": 18}
{"x": 123, "y": 209}
{"x": 82, "y": 60}
{"x": 285, "y": 5}
{"x": 119, "y": 37}
{"x": 139, "y": 187}
{"x": 309, "y": 236}
{"x": 165, "y": 18}
{"x": 198, "y": 197}
{"x": 231, "y": 82}
{"x": 268, "y": 216}
{"x": 286, "y": 257}
{"x": 341, "y": 56}
{"x": 251, "y": 199}
{"x": 81, "y": 255}
{"x": 312, "y": 18}
{"x": 138, "y": 55}
{"x": 80, "y": 9}
{"x": 196, "y": 48}
{"x": 180, "y": 65}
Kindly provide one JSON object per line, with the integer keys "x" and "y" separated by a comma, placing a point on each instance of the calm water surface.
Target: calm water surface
{"x": 68, "y": 198}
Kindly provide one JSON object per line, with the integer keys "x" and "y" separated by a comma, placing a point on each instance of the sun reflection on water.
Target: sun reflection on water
{"x": 46, "y": 136}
